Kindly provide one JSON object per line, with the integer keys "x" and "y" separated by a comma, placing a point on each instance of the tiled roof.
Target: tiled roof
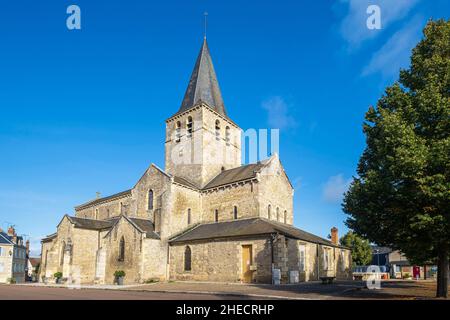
{"x": 229, "y": 176}
{"x": 99, "y": 200}
{"x": 203, "y": 85}
{"x": 49, "y": 237}
{"x": 35, "y": 261}
{"x": 146, "y": 226}
{"x": 184, "y": 182}
{"x": 236, "y": 174}
{"x": 5, "y": 239}
{"x": 247, "y": 227}
{"x": 91, "y": 224}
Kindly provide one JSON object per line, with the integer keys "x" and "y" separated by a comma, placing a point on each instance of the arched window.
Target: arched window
{"x": 122, "y": 249}
{"x": 269, "y": 213}
{"x": 189, "y": 126}
{"x": 217, "y": 129}
{"x": 107, "y": 213}
{"x": 285, "y": 216}
{"x": 235, "y": 212}
{"x": 178, "y": 132}
{"x": 63, "y": 248}
{"x": 189, "y": 216}
{"x": 187, "y": 259}
{"x": 227, "y": 135}
{"x": 278, "y": 214}
{"x": 216, "y": 215}
{"x": 96, "y": 214}
{"x": 150, "y": 200}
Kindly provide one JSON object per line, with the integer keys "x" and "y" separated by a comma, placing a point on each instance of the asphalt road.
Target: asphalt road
{"x": 11, "y": 292}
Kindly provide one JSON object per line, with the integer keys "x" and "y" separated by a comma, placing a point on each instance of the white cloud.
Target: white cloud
{"x": 353, "y": 27}
{"x": 278, "y": 113}
{"x": 395, "y": 53}
{"x": 335, "y": 188}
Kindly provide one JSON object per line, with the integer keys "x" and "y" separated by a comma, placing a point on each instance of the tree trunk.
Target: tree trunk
{"x": 443, "y": 270}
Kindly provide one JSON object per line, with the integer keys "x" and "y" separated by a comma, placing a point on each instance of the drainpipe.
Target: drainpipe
{"x": 318, "y": 261}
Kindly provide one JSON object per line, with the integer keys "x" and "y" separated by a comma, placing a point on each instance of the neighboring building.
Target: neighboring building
{"x": 33, "y": 269}
{"x": 12, "y": 257}
{"x": 380, "y": 255}
{"x": 398, "y": 266}
{"x": 205, "y": 217}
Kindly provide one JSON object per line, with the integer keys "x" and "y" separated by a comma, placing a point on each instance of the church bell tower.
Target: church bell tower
{"x": 201, "y": 140}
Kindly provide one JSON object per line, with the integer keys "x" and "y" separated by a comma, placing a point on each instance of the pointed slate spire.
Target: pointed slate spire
{"x": 203, "y": 86}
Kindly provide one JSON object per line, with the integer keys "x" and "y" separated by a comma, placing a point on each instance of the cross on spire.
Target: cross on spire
{"x": 206, "y": 22}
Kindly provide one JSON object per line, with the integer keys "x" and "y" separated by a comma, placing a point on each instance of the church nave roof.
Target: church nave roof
{"x": 247, "y": 227}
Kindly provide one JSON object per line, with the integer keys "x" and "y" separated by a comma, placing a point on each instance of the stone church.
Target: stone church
{"x": 204, "y": 217}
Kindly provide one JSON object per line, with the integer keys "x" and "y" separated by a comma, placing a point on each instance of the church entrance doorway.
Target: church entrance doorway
{"x": 246, "y": 263}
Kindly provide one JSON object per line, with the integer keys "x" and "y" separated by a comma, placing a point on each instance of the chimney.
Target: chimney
{"x": 11, "y": 231}
{"x": 334, "y": 236}
{"x": 27, "y": 245}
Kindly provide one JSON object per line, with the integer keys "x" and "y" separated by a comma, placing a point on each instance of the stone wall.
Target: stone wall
{"x": 221, "y": 260}
{"x": 77, "y": 264}
{"x": 183, "y": 199}
{"x": 157, "y": 181}
{"x": 107, "y": 209}
{"x": 275, "y": 190}
{"x": 84, "y": 252}
{"x": 287, "y": 259}
{"x": 200, "y": 156}
{"x": 218, "y": 153}
{"x": 48, "y": 262}
{"x": 243, "y": 196}
{"x": 132, "y": 263}
{"x": 155, "y": 260}
{"x": 183, "y": 157}
{"x": 339, "y": 265}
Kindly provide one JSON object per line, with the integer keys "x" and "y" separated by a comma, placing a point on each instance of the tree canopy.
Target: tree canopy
{"x": 361, "y": 250}
{"x": 401, "y": 195}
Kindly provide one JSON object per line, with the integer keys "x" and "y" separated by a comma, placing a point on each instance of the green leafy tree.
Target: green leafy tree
{"x": 361, "y": 250}
{"x": 401, "y": 196}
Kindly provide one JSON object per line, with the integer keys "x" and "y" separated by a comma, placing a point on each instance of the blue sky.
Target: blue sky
{"x": 83, "y": 110}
